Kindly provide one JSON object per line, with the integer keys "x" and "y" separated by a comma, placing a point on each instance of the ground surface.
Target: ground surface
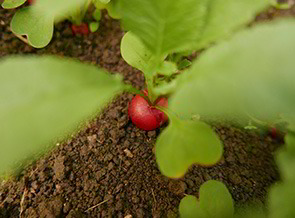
{"x": 109, "y": 168}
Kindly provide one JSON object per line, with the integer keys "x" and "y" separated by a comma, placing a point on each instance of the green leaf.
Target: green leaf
{"x": 282, "y": 195}
{"x": 9, "y": 4}
{"x": 290, "y": 142}
{"x": 37, "y": 27}
{"x": 225, "y": 16}
{"x": 281, "y": 200}
{"x": 43, "y": 99}
{"x": 163, "y": 26}
{"x": 215, "y": 201}
{"x": 189, "y": 207}
{"x": 167, "y": 68}
{"x": 76, "y": 15}
{"x": 171, "y": 25}
{"x": 113, "y": 9}
{"x": 286, "y": 158}
{"x": 184, "y": 64}
{"x": 104, "y": 1}
{"x": 281, "y": 5}
{"x": 135, "y": 53}
{"x": 165, "y": 88}
{"x": 93, "y": 26}
{"x": 98, "y": 4}
{"x": 185, "y": 142}
{"x": 220, "y": 82}
{"x": 96, "y": 15}
{"x": 59, "y": 9}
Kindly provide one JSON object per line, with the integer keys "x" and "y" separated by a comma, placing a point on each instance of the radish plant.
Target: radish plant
{"x": 209, "y": 206}
{"x": 56, "y": 95}
{"x": 36, "y": 21}
{"x": 157, "y": 30}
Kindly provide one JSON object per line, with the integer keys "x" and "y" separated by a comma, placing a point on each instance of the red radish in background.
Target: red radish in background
{"x": 80, "y": 29}
{"x": 277, "y": 134}
{"x": 273, "y": 132}
{"x": 144, "y": 115}
{"x": 31, "y": 1}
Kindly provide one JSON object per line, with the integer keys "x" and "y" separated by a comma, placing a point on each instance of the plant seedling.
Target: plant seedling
{"x": 142, "y": 109}
{"x": 96, "y": 15}
{"x": 214, "y": 201}
{"x": 145, "y": 115}
{"x": 76, "y": 18}
{"x": 110, "y": 6}
{"x": 35, "y": 24}
{"x": 93, "y": 26}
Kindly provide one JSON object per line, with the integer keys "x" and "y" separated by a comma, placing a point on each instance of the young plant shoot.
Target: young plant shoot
{"x": 35, "y": 25}
{"x": 76, "y": 18}
{"x": 214, "y": 201}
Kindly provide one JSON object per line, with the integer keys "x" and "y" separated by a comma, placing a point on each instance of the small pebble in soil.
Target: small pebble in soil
{"x": 177, "y": 187}
{"x": 128, "y": 153}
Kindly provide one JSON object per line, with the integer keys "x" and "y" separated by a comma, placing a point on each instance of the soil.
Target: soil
{"x": 108, "y": 169}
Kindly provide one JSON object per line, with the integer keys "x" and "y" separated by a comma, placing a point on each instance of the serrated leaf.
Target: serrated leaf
{"x": 37, "y": 27}
{"x": 221, "y": 82}
{"x": 185, "y": 142}
{"x": 43, "y": 99}
{"x": 59, "y": 9}
{"x": 9, "y": 4}
{"x": 215, "y": 201}
{"x": 135, "y": 53}
{"x": 171, "y": 25}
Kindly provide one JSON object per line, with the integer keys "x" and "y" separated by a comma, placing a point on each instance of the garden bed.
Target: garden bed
{"x": 109, "y": 169}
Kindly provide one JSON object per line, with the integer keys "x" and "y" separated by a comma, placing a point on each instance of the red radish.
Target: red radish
{"x": 81, "y": 29}
{"x": 273, "y": 132}
{"x": 276, "y": 134}
{"x": 31, "y": 1}
{"x": 146, "y": 116}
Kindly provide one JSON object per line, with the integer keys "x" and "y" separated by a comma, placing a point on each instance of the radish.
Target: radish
{"x": 80, "y": 29}
{"x": 144, "y": 115}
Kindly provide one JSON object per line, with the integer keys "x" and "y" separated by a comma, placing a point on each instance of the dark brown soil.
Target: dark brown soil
{"x": 109, "y": 168}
